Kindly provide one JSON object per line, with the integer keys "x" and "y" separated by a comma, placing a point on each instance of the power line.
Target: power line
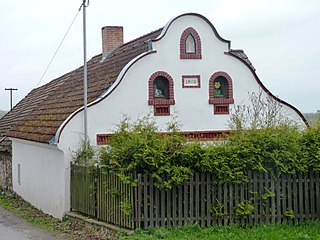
{"x": 54, "y": 55}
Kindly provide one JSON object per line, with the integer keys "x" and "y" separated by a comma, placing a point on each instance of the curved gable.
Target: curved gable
{"x": 132, "y": 90}
{"x": 165, "y": 29}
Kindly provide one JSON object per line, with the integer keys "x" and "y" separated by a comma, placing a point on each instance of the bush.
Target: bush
{"x": 310, "y": 148}
{"x": 140, "y": 147}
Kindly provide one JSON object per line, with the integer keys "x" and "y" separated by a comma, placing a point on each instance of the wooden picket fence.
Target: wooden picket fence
{"x": 263, "y": 199}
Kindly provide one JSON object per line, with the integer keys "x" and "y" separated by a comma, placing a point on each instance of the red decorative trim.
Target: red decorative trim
{"x": 221, "y": 101}
{"x": 161, "y": 105}
{"x": 103, "y": 139}
{"x": 161, "y": 110}
{"x": 211, "y": 85}
{"x": 184, "y": 35}
{"x": 221, "y": 109}
{"x": 190, "y": 85}
{"x": 161, "y": 101}
{"x": 221, "y": 105}
{"x": 206, "y": 135}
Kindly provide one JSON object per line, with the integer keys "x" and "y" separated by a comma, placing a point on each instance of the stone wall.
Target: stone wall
{"x": 5, "y": 171}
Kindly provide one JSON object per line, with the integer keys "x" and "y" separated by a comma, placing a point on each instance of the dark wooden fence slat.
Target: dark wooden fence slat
{"x": 284, "y": 197}
{"x": 168, "y": 208}
{"x": 157, "y": 207}
{"x": 250, "y": 196}
{"x": 191, "y": 200}
{"x": 231, "y": 200}
{"x": 174, "y": 206}
{"x": 139, "y": 202}
{"x": 306, "y": 195}
{"x": 208, "y": 193}
{"x": 163, "y": 207}
{"x": 186, "y": 196}
{"x": 289, "y": 195}
{"x": 317, "y": 189}
{"x": 180, "y": 204}
{"x": 256, "y": 201}
{"x": 312, "y": 196}
{"x": 151, "y": 191}
{"x": 242, "y": 199}
{"x": 278, "y": 196}
{"x": 225, "y": 204}
{"x": 214, "y": 200}
{"x": 202, "y": 201}
{"x": 145, "y": 200}
{"x": 261, "y": 193}
{"x": 197, "y": 199}
{"x": 267, "y": 201}
{"x": 220, "y": 204}
{"x": 273, "y": 204}
{"x": 300, "y": 192}
{"x": 295, "y": 197}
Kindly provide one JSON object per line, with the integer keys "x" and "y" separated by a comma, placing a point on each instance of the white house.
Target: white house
{"x": 184, "y": 68}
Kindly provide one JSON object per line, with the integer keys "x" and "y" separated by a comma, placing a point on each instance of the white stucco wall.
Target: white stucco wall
{"x": 191, "y": 107}
{"x": 42, "y": 176}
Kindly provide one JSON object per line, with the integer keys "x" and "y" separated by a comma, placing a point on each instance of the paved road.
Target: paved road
{"x": 14, "y": 228}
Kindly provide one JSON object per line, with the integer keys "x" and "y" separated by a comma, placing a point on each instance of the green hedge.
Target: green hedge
{"x": 170, "y": 159}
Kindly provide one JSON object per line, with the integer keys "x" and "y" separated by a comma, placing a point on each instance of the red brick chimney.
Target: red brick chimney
{"x": 112, "y": 37}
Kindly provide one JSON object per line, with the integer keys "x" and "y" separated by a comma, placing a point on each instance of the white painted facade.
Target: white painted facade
{"x": 44, "y": 169}
{"x": 39, "y": 174}
{"x": 129, "y": 95}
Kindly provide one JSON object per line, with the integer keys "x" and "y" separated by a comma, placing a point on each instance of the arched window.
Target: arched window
{"x": 220, "y": 87}
{"x": 190, "y": 44}
{"x": 161, "y": 93}
{"x": 161, "y": 87}
{"x": 220, "y": 92}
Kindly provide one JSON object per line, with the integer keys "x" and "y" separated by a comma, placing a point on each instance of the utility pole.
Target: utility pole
{"x": 11, "y": 89}
{"x": 85, "y": 123}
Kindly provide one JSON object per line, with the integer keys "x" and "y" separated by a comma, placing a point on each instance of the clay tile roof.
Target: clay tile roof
{"x": 240, "y": 53}
{"x": 38, "y": 116}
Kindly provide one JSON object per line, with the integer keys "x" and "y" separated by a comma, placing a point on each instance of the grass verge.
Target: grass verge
{"x": 66, "y": 228}
{"x": 308, "y": 230}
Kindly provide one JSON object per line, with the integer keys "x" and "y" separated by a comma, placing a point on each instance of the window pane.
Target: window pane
{"x": 161, "y": 87}
{"x": 190, "y": 44}
{"x": 220, "y": 87}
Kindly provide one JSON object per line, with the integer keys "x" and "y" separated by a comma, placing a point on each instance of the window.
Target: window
{"x": 161, "y": 93}
{"x": 19, "y": 174}
{"x": 220, "y": 92}
{"x": 161, "y": 87}
{"x": 190, "y": 44}
{"x": 220, "y": 87}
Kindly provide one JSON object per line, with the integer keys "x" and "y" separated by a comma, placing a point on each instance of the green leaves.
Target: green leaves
{"x": 170, "y": 159}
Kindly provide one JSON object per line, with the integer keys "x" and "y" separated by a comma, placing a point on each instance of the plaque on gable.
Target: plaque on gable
{"x": 191, "y": 81}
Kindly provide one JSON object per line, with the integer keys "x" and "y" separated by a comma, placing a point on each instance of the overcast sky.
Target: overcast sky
{"x": 280, "y": 37}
